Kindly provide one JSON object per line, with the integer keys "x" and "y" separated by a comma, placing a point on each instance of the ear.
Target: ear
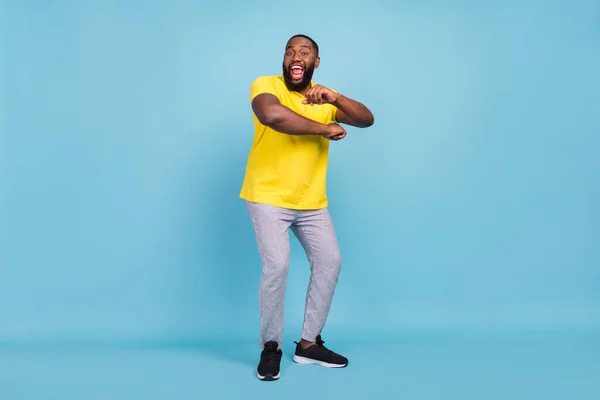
{"x": 317, "y": 62}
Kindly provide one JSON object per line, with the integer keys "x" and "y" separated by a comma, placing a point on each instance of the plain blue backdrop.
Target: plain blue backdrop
{"x": 470, "y": 207}
{"x": 471, "y": 204}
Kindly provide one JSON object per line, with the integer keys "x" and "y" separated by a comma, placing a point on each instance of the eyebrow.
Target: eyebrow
{"x": 302, "y": 45}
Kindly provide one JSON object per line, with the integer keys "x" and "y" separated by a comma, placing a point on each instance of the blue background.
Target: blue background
{"x": 471, "y": 207}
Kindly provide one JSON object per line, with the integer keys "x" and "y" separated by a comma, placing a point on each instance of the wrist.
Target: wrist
{"x": 323, "y": 129}
{"x": 338, "y": 98}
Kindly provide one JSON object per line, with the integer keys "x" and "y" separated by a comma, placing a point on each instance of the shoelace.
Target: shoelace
{"x": 271, "y": 357}
{"x": 326, "y": 350}
{"x": 321, "y": 344}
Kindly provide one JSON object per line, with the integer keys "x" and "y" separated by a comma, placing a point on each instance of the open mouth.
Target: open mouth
{"x": 297, "y": 72}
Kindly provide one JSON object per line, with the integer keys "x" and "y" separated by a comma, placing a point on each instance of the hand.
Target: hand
{"x": 334, "y": 132}
{"x": 319, "y": 94}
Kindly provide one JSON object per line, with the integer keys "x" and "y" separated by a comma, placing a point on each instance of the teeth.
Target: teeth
{"x": 296, "y": 67}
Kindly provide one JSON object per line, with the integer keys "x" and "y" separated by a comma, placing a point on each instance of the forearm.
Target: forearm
{"x": 357, "y": 113}
{"x": 284, "y": 120}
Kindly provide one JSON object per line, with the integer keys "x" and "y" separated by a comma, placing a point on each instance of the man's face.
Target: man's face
{"x": 299, "y": 63}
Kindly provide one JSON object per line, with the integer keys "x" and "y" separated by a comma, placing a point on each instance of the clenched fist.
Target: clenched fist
{"x": 334, "y": 132}
{"x": 319, "y": 94}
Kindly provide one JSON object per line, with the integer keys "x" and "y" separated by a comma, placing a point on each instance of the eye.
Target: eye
{"x": 304, "y": 53}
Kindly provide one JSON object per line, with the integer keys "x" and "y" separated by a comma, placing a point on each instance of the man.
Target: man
{"x": 284, "y": 188}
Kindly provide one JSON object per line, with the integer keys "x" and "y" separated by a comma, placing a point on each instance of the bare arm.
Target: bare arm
{"x": 272, "y": 113}
{"x": 352, "y": 112}
{"x": 348, "y": 111}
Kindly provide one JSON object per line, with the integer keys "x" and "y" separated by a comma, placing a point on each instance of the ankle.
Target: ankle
{"x": 305, "y": 344}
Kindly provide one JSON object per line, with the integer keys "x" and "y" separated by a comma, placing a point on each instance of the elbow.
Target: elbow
{"x": 368, "y": 121}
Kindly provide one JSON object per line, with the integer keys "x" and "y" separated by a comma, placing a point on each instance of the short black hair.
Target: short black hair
{"x": 315, "y": 45}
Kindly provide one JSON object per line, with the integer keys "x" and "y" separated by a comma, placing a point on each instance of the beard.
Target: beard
{"x": 303, "y": 84}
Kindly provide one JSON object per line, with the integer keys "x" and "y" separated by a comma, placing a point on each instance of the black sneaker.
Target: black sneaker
{"x": 319, "y": 354}
{"x": 270, "y": 359}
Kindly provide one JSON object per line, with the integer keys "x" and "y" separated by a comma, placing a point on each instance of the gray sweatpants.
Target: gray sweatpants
{"x": 314, "y": 229}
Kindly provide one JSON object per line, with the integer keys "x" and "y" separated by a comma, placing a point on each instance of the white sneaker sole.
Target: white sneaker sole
{"x": 263, "y": 378}
{"x": 304, "y": 360}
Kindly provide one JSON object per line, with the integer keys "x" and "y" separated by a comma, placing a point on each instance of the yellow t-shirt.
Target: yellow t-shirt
{"x": 284, "y": 170}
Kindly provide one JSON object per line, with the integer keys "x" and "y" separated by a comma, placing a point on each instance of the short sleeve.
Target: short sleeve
{"x": 332, "y": 112}
{"x": 262, "y": 84}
